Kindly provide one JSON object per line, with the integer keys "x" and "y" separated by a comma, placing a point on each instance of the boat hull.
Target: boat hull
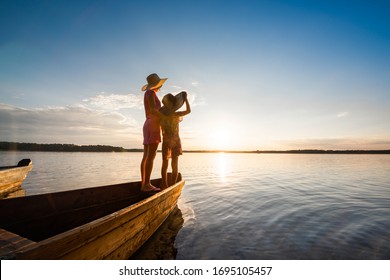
{"x": 113, "y": 236}
{"x": 12, "y": 177}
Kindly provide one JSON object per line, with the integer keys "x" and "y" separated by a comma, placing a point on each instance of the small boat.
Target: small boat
{"x": 12, "y": 177}
{"x": 108, "y": 222}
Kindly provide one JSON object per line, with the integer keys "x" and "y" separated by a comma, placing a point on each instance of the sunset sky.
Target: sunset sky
{"x": 261, "y": 75}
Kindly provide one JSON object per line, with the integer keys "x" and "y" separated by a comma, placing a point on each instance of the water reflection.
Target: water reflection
{"x": 287, "y": 207}
{"x": 161, "y": 246}
{"x": 250, "y": 206}
{"x": 222, "y": 166}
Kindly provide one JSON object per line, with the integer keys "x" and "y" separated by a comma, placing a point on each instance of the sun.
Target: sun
{"x": 221, "y": 139}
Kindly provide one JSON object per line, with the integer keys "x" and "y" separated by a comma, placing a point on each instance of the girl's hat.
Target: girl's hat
{"x": 171, "y": 102}
{"x": 154, "y": 82}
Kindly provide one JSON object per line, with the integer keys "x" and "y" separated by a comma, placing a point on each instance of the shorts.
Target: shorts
{"x": 171, "y": 148}
{"x": 152, "y": 131}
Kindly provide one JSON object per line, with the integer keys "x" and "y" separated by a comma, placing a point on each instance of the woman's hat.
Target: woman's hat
{"x": 154, "y": 82}
{"x": 171, "y": 102}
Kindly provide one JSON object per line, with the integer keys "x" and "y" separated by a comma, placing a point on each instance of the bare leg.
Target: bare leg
{"x": 164, "y": 175}
{"x": 143, "y": 164}
{"x": 149, "y": 154}
{"x": 175, "y": 169}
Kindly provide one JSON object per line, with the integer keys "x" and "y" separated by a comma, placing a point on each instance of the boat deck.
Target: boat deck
{"x": 107, "y": 222}
{"x": 9, "y": 242}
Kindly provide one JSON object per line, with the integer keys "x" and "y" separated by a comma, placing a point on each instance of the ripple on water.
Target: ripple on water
{"x": 251, "y": 206}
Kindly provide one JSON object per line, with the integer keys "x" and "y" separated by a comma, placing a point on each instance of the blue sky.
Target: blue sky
{"x": 260, "y": 74}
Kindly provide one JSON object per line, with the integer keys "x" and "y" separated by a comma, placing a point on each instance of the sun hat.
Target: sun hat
{"x": 154, "y": 82}
{"x": 171, "y": 102}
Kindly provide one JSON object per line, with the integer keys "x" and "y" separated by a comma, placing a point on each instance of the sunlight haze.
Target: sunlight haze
{"x": 260, "y": 75}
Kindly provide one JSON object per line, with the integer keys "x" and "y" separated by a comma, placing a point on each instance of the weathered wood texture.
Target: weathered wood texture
{"x": 12, "y": 177}
{"x": 9, "y": 242}
{"x": 97, "y": 223}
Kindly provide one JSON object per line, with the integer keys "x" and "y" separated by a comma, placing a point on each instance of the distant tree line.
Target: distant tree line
{"x": 309, "y": 151}
{"x": 306, "y": 151}
{"x": 14, "y": 146}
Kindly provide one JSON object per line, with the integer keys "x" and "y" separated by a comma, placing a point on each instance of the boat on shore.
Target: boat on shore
{"x": 108, "y": 222}
{"x": 12, "y": 177}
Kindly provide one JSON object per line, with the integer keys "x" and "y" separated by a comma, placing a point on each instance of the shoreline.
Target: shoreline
{"x": 34, "y": 147}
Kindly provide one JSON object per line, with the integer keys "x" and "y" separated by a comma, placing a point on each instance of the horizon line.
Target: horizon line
{"x": 13, "y": 146}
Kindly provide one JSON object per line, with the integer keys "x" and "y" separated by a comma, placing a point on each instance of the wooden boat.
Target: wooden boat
{"x": 108, "y": 222}
{"x": 12, "y": 177}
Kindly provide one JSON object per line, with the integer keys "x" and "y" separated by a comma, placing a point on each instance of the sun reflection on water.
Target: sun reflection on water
{"x": 222, "y": 165}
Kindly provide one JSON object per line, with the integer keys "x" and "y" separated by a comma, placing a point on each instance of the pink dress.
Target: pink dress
{"x": 151, "y": 130}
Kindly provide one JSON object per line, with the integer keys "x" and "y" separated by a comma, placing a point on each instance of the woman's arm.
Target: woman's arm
{"x": 153, "y": 107}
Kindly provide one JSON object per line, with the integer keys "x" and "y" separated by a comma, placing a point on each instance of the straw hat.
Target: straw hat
{"x": 154, "y": 82}
{"x": 171, "y": 102}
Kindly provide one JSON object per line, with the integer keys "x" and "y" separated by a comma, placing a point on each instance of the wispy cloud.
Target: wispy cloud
{"x": 194, "y": 84}
{"x": 196, "y": 100}
{"x": 96, "y": 120}
{"x": 176, "y": 88}
{"x": 342, "y": 114}
{"x": 115, "y": 101}
{"x": 70, "y": 124}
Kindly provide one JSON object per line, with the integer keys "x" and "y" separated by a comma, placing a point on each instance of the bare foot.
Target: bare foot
{"x": 150, "y": 188}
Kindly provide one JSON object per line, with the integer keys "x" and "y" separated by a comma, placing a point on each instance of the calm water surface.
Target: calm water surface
{"x": 251, "y": 206}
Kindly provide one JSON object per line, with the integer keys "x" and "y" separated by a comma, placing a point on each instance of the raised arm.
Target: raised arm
{"x": 186, "y": 112}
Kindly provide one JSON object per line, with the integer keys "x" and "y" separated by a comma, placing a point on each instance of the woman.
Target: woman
{"x": 151, "y": 129}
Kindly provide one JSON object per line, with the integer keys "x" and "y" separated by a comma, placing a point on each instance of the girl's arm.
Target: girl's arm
{"x": 186, "y": 112}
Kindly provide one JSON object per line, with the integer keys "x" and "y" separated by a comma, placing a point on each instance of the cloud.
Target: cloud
{"x": 176, "y": 87}
{"x": 196, "y": 100}
{"x": 105, "y": 119}
{"x": 342, "y": 114}
{"x": 115, "y": 101}
{"x": 194, "y": 84}
{"x": 71, "y": 124}
{"x": 347, "y": 143}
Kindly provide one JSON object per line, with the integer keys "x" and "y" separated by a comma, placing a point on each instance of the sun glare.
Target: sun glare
{"x": 221, "y": 139}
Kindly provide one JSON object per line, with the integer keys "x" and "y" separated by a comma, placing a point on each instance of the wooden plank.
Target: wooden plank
{"x": 10, "y": 187}
{"x": 130, "y": 246}
{"x": 125, "y": 231}
{"x": 43, "y": 227}
{"x": 11, "y": 178}
{"x": 46, "y": 205}
{"x": 57, "y": 246}
{"x": 74, "y": 198}
{"x": 33, "y": 208}
{"x": 143, "y": 224}
{"x": 9, "y": 242}
{"x": 14, "y": 173}
{"x": 17, "y": 193}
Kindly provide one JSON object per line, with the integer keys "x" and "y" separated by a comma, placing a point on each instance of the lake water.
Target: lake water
{"x": 250, "y": 206}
